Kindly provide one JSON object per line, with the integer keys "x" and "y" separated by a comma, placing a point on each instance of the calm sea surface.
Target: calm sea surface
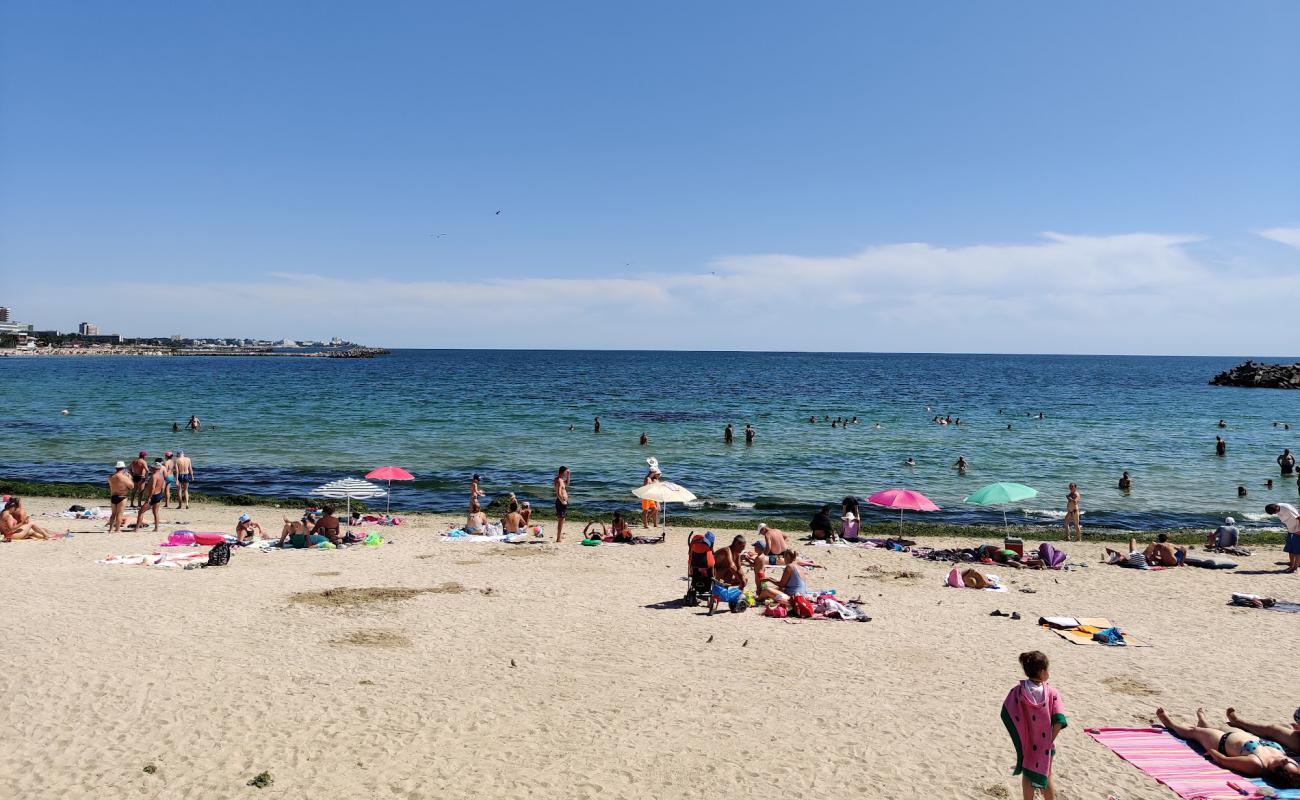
{"x": 285, "y": 425}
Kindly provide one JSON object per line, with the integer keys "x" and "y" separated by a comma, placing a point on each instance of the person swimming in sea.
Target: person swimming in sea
{"x": 1125, "y": 483}
{"x": 960, "y": 465}
{"x": 1241, "y": 491}
{"x": 727, "y": 435}
{"x": 910, "y": 462}
{"x": 645, "y": 440}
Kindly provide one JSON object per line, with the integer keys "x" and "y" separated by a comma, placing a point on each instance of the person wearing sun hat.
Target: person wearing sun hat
{"x": 246, "y": 530}
{"x": 120, "y": 486}
{"x": 649, "y": 507}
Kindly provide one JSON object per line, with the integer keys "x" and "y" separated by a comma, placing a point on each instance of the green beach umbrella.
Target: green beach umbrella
{"x": 1000, "y": 494}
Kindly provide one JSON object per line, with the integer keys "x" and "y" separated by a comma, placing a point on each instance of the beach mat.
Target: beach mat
{"x": 1174, "y": 763}
{"x": 1086, "y": 627}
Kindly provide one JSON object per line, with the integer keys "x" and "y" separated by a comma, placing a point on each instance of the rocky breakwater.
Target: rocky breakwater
{"x": 1262, "y": 376}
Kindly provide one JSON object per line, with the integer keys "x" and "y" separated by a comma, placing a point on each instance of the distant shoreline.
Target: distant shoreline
{"x": 72, "y": 352}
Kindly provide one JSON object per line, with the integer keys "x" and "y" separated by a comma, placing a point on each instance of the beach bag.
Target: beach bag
{"x": 801, "y": 607}
{"x": 219, "y": 555}
{"x": 775, "y": 611}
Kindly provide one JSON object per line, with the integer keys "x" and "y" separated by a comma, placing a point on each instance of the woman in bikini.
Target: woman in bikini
{"x": 1072, "y": 513}
{"x": 1286, "y": 735}
{"x": 476, "y": 522}
{"x": 1239, "y": 751}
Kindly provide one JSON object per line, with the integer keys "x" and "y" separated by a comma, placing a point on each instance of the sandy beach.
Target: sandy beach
{"x": 555, "y": 671}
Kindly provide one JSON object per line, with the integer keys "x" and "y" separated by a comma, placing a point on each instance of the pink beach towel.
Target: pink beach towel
{"x": 1174, "y": 763}
{"x": 1030, "y": 725}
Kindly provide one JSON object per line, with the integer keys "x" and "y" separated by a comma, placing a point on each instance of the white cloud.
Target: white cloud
{"x": 1288, "y": 236}
{"x": 1129, "y": 293}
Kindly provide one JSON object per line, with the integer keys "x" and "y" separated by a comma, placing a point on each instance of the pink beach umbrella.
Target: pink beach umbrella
{"x": 389, "y": 474}
{"x": 903, "y": 500}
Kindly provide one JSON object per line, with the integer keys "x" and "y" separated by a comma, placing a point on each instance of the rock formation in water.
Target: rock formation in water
{"x": 1264, "y": 376}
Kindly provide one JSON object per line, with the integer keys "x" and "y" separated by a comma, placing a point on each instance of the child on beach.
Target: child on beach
{"x": 1034, "y": 715}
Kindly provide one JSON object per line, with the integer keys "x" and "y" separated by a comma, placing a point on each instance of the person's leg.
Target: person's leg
{"x": 1202, "y": 734}
{"x": 1284, "y": 735}
{"x": 1049, "y": 791}
{"x": 154, "y": 504}
{"x": 559, "y": 527}
{"x": 1026, "y": 788}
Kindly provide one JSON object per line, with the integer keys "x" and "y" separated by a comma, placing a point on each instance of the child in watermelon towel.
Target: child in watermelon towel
{"x": 1034, "y": 715}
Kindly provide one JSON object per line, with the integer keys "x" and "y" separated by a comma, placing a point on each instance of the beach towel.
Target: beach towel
{"x": 1174, "y": 763}
{"x": 1085, "y": 628}
{"x": 1030, "y": 726}
{"x": 168, "y": 560}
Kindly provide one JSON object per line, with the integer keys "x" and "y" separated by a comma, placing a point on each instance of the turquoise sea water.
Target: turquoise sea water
{"x": 285, "y": 425}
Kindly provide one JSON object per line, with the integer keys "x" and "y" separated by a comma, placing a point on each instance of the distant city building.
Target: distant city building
{"x": 88, "y": 329}
{"x": 4, "y": 314}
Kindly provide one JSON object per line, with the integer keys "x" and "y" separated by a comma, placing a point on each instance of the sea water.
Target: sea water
{"x": 281, "y": 426}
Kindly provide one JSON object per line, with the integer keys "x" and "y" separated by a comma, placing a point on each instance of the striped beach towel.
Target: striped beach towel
{"x": 1174, "y": 763}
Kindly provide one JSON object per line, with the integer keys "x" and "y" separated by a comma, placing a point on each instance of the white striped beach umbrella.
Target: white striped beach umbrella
{"x": 350, "y": 488}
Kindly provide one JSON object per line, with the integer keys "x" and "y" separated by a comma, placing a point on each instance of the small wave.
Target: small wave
{"x": 1046, "y": 513}
{"x": 1255, "y": 517}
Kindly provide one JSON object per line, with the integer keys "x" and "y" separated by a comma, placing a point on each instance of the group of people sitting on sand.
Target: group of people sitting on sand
{"x": 1254, "y": 750}
{"x": 15, "y": 523}
{"x": 726, "y": 569}
{"x": 515, "y": 522}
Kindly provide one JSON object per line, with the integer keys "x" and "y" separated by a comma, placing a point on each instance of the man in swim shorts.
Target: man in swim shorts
{"x": 139, "y": 469}
{"x": 120, "y": 486}
{"x": 561, "y": 484}
{"x": 156, "y": 488}
{"x": 184, "y": 477}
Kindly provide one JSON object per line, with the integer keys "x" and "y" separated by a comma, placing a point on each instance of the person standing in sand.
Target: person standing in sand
{"x": 119, "y": 489}
{"x": 1072, "y": 512}
{"x": 184, "y": 477}
{"x": 1034, "y": 716}
{"x": 169, "y": 475}
{"x": 139, "y": 469}
{"x": 1289, "y": 517}
{"x": 561, "y": 484}
{"x": 649, "y": 507}
{"x": 157, "y": 487}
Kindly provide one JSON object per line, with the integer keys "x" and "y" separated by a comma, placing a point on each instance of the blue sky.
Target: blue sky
{"x": 279, "y": 169}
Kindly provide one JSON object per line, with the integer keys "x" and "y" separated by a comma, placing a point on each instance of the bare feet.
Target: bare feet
{"x": 1232, "y": 717}
{"x": 1201, "y": 721}
{"x": 1163, "y": 717}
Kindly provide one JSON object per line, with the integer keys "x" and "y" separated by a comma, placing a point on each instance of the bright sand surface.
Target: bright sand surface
{"x": 555, "y": 673}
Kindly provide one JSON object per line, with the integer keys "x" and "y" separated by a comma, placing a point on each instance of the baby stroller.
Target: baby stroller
{"x": 700, "y": 570}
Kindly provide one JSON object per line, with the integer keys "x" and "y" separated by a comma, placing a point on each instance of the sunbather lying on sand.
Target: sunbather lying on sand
{"x": 1240, "y": 752}
{"x": 1159, "y": 553}
{"x": 974, "y": 579}
{"x": 1286, "y": 735}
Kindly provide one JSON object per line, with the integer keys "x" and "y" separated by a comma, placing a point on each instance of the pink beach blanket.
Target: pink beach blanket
{"x": 1174, "y": 763}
